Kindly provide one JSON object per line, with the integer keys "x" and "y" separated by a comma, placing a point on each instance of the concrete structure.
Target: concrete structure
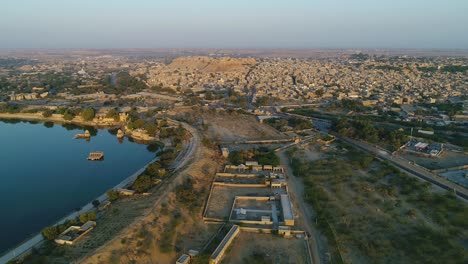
{"x": 184, "y": 259}
{"x": 225, "y": 152}
{"x": 287, "y": 210}
{"x": 74, "y": 233}
{"x": 218, "y": 254}
{"x": 284, "y": 231}
{"x": 126, "y": 192}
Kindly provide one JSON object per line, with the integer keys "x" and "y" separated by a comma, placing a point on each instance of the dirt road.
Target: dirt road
{"x": 296, "y": 191}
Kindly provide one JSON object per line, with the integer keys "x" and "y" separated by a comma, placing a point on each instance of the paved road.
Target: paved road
{"x": 411, "y": 168}
{"x": 296, "y": 191}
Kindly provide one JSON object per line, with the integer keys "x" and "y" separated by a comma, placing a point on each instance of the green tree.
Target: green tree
{"x": 113, "y": 114}
{"x": 151, "y": 129}
{"x": 88, "y": 114}
{"x": 142, "y": 183}
{"x": 85, "y": 217}
{"x": 50, "y": 232}
{"x": 112, "y": 194}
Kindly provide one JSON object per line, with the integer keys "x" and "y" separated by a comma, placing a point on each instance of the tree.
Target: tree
{"x": 96, "y": 203}
{"x": 113, "y": 195}
{"x": 85, "y": 217}
{"x": 151, "y": 129}
{"x": 88, "y": 114}
{"x": 47, "y": 113}
{"x": 68, "y": 116}
{"x": 139, "y": 123}
{"x": 113, "y": 114}
{"x": 142, "y": 183}
{"x": 50, "y": 232}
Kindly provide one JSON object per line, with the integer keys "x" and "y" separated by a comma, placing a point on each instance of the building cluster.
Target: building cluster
{"x": 200, "y": 73}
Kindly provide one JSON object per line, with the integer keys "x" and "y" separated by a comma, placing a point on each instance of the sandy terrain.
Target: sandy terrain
{"x": 230, "y": 127}
{"x": 271, "y": 248}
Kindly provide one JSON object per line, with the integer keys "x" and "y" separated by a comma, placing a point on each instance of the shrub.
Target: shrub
{"x": 88, "y": 114}
{"x": 47, "y": 113}
{"x": 113, "y": 195}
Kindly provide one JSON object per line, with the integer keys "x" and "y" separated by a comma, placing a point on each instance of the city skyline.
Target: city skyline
{"x": 239, "y": 24}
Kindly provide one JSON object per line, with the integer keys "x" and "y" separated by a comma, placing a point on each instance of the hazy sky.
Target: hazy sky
{"x": 234, "y": 23}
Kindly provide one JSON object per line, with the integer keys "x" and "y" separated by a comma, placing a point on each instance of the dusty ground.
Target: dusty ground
{"x": 457, "y": 176}
{"x": 447, "y": 159}
{"x": 222, "y": 199}
{"x": 271, "y": 248}
{"x": 230, "y": 127}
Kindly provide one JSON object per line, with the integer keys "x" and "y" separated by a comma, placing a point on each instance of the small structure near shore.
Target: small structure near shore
{"x": 96, "y": 155}
{"x": 74, "y": 233}
{"x": 120, "y": 134}
{"x": 85, "y": 135}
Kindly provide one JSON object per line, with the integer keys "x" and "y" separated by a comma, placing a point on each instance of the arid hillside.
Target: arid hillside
{"x": 207, "y": 64}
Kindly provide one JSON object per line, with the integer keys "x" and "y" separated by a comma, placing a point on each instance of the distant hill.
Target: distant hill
{"x": 207, "y": 64}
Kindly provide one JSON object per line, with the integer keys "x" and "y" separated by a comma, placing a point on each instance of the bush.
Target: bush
{"x": 96, "y": 203}
{"x": 113, "y": 195}
{"x": 88, "y": 114}
{"x": 85, "y": 217}
{"x": 68, "y": 116}
{"x": 113, "y": 114}
{"x": 47, "y": 113}
{"x": 50, "y": 232}
{"x": 142, "y": 183}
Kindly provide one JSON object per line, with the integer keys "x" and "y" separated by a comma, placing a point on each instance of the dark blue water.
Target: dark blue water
{"x": 44, "y": 174}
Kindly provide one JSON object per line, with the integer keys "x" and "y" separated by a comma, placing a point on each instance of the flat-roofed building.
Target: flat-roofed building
{"x": 287, "y": 210}
{"x": 184, "y": 259}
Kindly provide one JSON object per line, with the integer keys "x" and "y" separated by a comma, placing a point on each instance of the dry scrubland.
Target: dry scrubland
{"x": 370, "y": 212}
{"x": 234, "y": 126}
{"x": 265, "y": 248}
{"x": 226, "y": 125}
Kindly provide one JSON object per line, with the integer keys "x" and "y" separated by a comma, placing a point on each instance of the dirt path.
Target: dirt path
{"x": 296, "y": 191}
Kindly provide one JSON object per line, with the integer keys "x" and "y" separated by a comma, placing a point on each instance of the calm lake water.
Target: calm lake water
{"x": 44, "y": 174}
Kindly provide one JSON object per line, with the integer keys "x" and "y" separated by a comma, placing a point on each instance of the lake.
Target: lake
{"x": 44, "y": 173}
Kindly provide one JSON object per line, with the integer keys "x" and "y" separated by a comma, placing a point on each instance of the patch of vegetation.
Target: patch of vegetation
{"x": 113, "y": 195}
{"x": 379, "y": 213}
{"x": 264, "y": 156}
{"x": 284, "y": 124}
{"x": 168, "y": 233}
{"x": 187, "y": 196}
{"x": 364, "y": 129}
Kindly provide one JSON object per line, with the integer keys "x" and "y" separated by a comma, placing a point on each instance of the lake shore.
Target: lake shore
{"x": 57, "y": 119}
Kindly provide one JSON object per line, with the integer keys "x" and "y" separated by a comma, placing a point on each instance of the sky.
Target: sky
{"x": 234, "y": 24}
